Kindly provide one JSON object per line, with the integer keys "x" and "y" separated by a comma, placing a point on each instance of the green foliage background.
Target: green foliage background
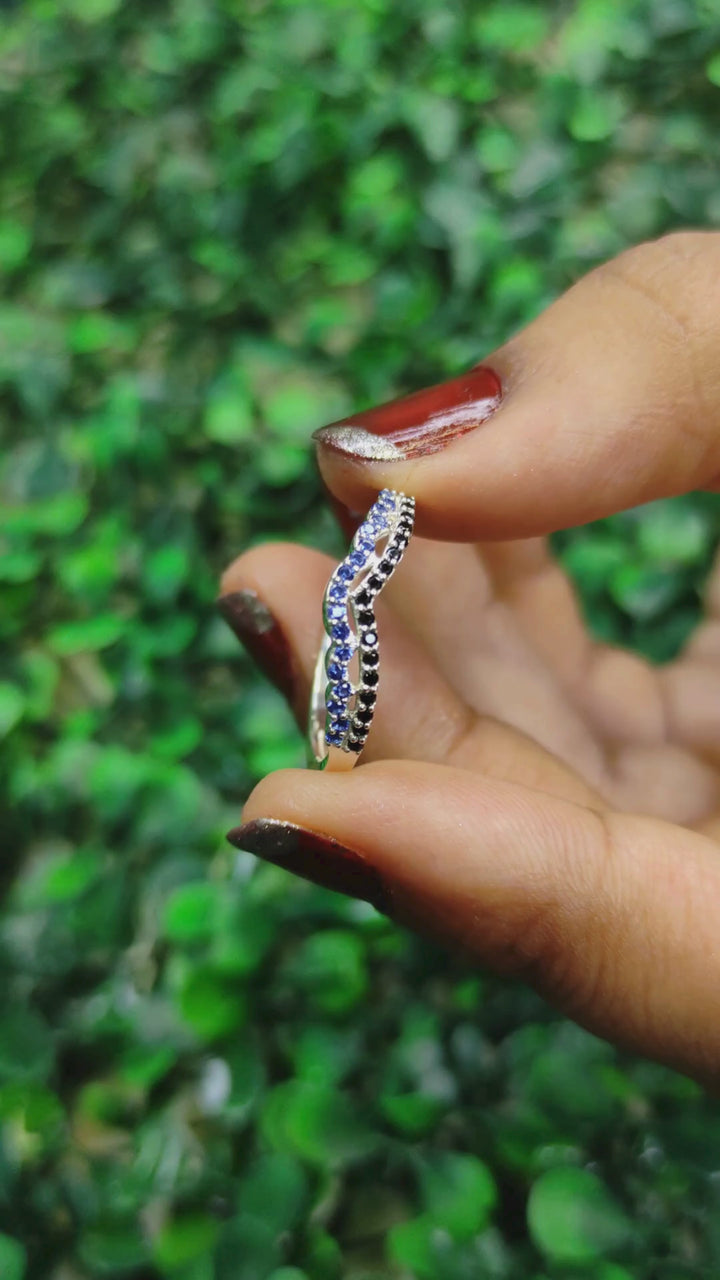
{"x": 222, "y": 224}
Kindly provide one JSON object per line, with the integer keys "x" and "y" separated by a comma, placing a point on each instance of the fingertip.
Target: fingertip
{"x": 286, "y": 794}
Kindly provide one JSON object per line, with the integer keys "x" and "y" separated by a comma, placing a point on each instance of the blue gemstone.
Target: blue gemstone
{"x": 366, "y": 543}
{"x": 335, "y": 707}
{"x": 343, "y": 652}
{"x": 338, "y": 591}
{"x": 343, "y": 689}
{"x": 336, "y": 670}
{"x": 336, "y": 612}
{"x": 340, "y": 631}
{"x": 333, "y": 738}
{"x": 346, "y": 573}
{"x": 356, "y": 559}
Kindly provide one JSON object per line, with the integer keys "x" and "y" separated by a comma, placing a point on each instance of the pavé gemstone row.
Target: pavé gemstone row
{"x": 349, "y": 618}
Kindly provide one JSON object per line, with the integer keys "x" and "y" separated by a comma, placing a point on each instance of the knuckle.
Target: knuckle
{"x": 671, "y": 282}
{"x": 685, "y": 252}
{"x": 562, "y": 937}
{"x": 674, "y": 276}
{"x": 650, "y": 272}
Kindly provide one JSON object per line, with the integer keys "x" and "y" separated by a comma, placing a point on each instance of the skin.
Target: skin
{"x": 547, "y": 804}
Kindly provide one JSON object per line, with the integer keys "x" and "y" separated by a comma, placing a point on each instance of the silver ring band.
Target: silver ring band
{"x": 347, "y": 672}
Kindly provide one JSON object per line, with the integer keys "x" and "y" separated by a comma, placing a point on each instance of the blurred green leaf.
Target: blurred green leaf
{"x": 13, "y": 1259}
{"x": 83, "y": 634}
{"x": 573, "y": 1219}
{"x": 330, "y": 966}
{"x": 413, "y": 1113}
{"x": 164, "y": 572}
{"x": 26, "y": 1044}
{"x": 15, "y": 242}
{"x": 672, "y": 534}
{"x": 275, "y": 1190}
{"x": 212, "y": 1006}
{"x": 61, "y": 877}
{"x": 644, "y": 592}
{"x": 144, "y": 1064}
{"x": 712, "y": 69}
{"x": 113, "y": 1248}
{"x": 229, "y": 417}
{"x": 436, "y": 121}
{"x": 596, "y": 115}
{"x": 191, "y": 910}
{"x": 182, "y": 1240}
{"x": 248, "y": 1247}
{"x": 458, "y": 1192}
{"x": 12, "y": 706}
{"x": 96, "y": 331}
{"x": 315, "y": 1122}
{"x": 412, "y": 1246}
{"x": 513, "y": 27}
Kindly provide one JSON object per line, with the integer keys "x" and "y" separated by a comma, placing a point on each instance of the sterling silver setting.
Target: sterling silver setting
{"x": 347, "y": 672}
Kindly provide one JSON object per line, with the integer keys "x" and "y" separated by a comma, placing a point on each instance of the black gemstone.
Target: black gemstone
{"x": 374, "y": 582}
{"x": 370, "y": 659}
{"x": 363, "y": 597}
{"x": 385, "y": 567}
{"x": 393, "y": 553}
{"x": 364, "y": 715}
{"x": 367, "y": 697}
{"x": 366, "y": 618}
{"x": 370, "y": 677}
{"x": 354, "y": 744}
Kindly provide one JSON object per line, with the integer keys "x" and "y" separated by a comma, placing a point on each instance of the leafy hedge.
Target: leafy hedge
{"x": 223, "y": 224}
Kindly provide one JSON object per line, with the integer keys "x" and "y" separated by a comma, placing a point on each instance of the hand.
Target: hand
{"x": 548, "y": 804}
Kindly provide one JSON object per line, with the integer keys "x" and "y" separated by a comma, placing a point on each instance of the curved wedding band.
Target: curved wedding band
{"x": 347, "y": 672}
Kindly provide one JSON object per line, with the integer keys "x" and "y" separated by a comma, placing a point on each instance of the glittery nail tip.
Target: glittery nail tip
{"x": 419, "y": 424}
{"x": 315, "y": 857}
{"x": 360, "y": 443}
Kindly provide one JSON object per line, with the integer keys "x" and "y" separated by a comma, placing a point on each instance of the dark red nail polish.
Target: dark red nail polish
{"x": 418, "y": 424}
{"x": 314, "y": 857}
{"x": 258, "y": 630}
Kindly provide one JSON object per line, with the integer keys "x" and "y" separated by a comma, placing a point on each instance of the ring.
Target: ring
{"x": 347, "y": 672}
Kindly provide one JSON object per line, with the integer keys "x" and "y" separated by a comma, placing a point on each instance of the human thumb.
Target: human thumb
{"x": 608, "y": 399}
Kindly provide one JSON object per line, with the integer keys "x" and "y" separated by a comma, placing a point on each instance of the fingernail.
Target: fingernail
{"x": 258, "y": 630}
{"x": 418, "y": 424}
{"x": 314, "y": 857}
